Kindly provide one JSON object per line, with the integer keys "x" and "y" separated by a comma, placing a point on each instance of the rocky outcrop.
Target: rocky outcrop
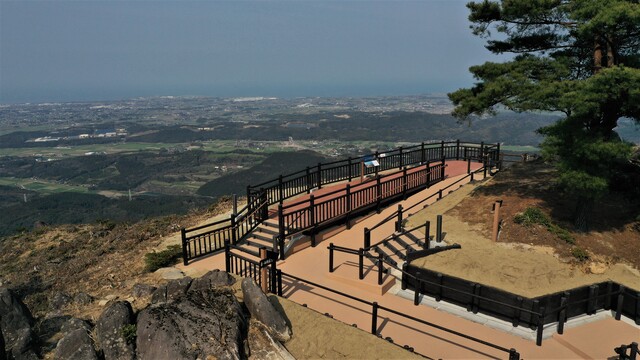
{"x": 111, "y": 330}
{"x": 82, "y": 298}
{"x": 211, "y": 280}
{"x": 59, "y": 300}
{"x": 142, "y": 290}
{"x": 262, "y": 346}
{"x": 200, "y": 324}
{"x": 76, "y": 345}
{"x": 262, "y": 310}
{"x": 3, "y": 354}
{"x": 171, "y": 291}
{"x": 16, "y": 322}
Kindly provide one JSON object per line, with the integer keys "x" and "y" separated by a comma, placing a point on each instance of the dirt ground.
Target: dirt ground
{"x": 530, "y": 260}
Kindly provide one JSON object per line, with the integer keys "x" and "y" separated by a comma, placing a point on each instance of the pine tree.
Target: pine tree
{"x": 580, "y": 58}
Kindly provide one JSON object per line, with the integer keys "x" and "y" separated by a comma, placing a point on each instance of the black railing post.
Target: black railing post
{"x": 350, "y": 175}
{"x": 428, "y": 173}
{"x": 348, "y": 205}
{"x": 404, "y": 183}
{"x": 633, "y": 351}
{"x": 417, "y": 290}
{"x": 401, "y": 159}
{"x": 481, "y": 150}
{"x": 439, "y": 228}
{"x": 281, "y": 247}
{"x": 234, "y": 232}
{"x": 380, "y": 269}
{"x": 378, "y": 194}
{"x": 468, "y": 165}
{"x": 279, "y": 282}
{"x": 458, "y": 149}
{"x": 319, "y": 175}
{"x": 227, "y": 256}
{"x": 331, "y": 257}
{"x": 427, "y": 234}
{"x": 562, "y": 316}
{"x": 399, "y": 221}
{"x": 592, "y": 300}
{"x": 442, "y": 170}
{"x": 440, "y": 194}
{"x": 309, "y": 186}
{"x": 540, "y": 328}
{"x": 273, "y": 278}
{"x": 403, "y": 283}
{"x": 265, "y": 204}
{"x": 361, "y": 263}
{"x": 367, "y": 238}
{"x": 442, "y": 149}
{"x": 280, "y": 189}
{"x": 280, "y": 222}
{"x": 422, "y": 154}
{"x": 620, "y": 303}
{"x": 513, "y": 354}
{"x": 374, "y": 318}
{"x": 183, "y": 235}
{"x": 312, "y": 211}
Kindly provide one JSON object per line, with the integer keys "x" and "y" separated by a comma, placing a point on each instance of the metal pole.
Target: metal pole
{"x": 331, "y": 257}
{"x": 361, "y": 263}
{"x": 374, "y": 318}
{"x": 439, "y": 229}
{"x": 183, "y": 234}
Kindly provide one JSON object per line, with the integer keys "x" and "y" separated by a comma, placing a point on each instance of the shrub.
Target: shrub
{"x": 128, "y": 332}
{"x": 579, "y": 254}
{"x": 531, "y": 216}
{"x": 169, "y": 256}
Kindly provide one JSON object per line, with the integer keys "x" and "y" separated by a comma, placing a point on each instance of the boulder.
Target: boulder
{"x": 15, "y": 322}
{"x": 172, "y": 290}
{"x": 75, "y": 324}
{"x": 110, "y": 331}
{"x": 170, "y": 273}
{"x": 59, "y": 301}
{"x": 263, "y": 346}
{"x": 3, "y": 354}
{"x": 82, "y": 298}
{"x": 201, "y": 324}
{"x": 142, "y": 290}
{"x": 262, "y": 310}
{"x": 76, "y": 345}
{"x": 212, "y": 279}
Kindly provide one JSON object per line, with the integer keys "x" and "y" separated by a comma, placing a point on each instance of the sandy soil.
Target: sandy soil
{"x": 527, "y": 270}
{"x": 316, "y": 336}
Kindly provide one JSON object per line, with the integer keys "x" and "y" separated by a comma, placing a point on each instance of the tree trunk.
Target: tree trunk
{"x": 582, "y": 213}
{"x": 597, "y": 57}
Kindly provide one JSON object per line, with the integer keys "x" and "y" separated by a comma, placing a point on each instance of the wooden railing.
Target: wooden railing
{"x": 304, "y": 181}
{"x": 207, "y": 239}
{"x": 344, "y": 203}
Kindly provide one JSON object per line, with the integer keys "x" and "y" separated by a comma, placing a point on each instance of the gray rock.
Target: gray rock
{"x": 263, "y": 346}
{"x": 142, "y": 290}
{"x": 207, "y": 324}
{"x": 83, "y": 298}
{"x": 59, "y": 301}
{"x": 262, "y": 310}
{"x": 74, "y": 324}
{"x": 212, "y": 279}
{"x": 76, "y": 345}
{"x": 172, "y": 291}
{"x": 15, "y": 322}
{"x": 3, "y": 354}
{"x": 109, "y": 330}
{"x": 170, "y": 273}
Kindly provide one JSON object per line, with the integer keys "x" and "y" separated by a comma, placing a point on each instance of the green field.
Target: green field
{"x": 42, "y": 186}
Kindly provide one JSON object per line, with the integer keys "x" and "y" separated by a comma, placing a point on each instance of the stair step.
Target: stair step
{"x": 267, "y": 231}
{"x": 261, "y": 237}
{"x": 258, "y": 245}
{"x": 414, "y": 239}
{"x": 270, "y": 224}
{"x": 386, "y": 256}
{"x": 395, "y": 250}
{"x": 248, "y": 251}
{"x": 402, "y": 243}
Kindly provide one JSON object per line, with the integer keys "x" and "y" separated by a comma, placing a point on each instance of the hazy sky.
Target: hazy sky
{"x": 99, "y": 50}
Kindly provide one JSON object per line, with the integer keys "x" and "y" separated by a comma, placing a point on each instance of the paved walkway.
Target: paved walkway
{"x": 594, "y": 340}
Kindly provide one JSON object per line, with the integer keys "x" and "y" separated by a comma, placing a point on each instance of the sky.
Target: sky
{"x": 109, "y": 50}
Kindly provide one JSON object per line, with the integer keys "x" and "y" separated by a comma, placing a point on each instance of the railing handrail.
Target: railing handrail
{"x": 424, "y": 322}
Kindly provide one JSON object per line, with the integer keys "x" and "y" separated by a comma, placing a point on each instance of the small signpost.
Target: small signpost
{"x": 369, "y": 161}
